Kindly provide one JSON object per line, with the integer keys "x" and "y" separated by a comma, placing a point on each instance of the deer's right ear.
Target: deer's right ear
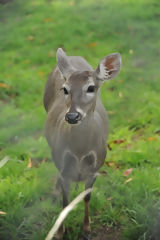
{"x": 108, "y": 67}
{"x": 63, "y": 63}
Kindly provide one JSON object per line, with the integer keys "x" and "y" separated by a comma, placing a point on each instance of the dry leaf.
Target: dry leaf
{"x": 4, "y": 85}
{"x": 120, "y": 80}
{"x": 110, "y": 164}
{"x": 109, "y": 147}
{"x": 51, "y": 54}
{"x": 30, "y": 38}
{"x": 119, "y": 141}
{"x": 29, "y": 163}
{"x": 111, "y": 89}
{"x": 44, "y": 160}
{"x": 2, "y": 213}
{"x": 129, "y": 27}
{"x": 151, "y": 138}
{"x": 127, "y": 172}
{"x": 41, "y": 73}
{"x": 120, "y": 94}
{"x": 130, "y": 51}
{"x": 46, "y": 20}
{"x": 110, "y": 198}
{"x": 71, "y": 3}
{"x": 111, "y": 112}
{"x": 27, "y": 61}
{"x": 92, "y": 45}
{"x": 128, "y": 180}
{"x": 103, "y": 173}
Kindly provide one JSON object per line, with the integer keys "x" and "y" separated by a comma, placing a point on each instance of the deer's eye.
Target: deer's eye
{"x": 65, "y": 91}
{"x": 91, "y": 89}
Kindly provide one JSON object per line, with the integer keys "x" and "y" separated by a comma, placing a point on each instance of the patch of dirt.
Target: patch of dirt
{"x": 107, "y": 234}
{"x": 103, "y": 234}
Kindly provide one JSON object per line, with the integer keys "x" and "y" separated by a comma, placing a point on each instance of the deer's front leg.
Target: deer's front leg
{"x": 57, "y": 190}
{"x": 65, "y": 186}
{"x": 86, "y": 221}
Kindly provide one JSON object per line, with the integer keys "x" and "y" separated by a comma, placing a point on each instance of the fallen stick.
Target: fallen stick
{"x": 4, "y": 161}
{"x": 65, "y": 212}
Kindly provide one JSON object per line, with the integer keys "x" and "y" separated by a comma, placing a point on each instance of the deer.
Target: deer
{"x": 76, "y": 126}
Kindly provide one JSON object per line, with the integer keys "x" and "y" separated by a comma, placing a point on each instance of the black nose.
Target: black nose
{"x": 72, "y": 117}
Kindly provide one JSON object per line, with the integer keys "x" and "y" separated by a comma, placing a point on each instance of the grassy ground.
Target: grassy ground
{"x": 30, "y": 33}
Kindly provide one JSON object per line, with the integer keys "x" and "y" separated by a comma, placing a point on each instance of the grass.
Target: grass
{"x": 30, "y": 33}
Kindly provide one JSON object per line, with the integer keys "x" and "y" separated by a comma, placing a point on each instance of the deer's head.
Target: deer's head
{"x": 81, "y": 87}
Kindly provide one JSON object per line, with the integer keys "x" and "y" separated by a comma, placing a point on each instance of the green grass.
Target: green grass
{"x": 30, "y": 33}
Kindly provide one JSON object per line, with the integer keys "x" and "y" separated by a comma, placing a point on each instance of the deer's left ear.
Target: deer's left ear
{"x": 108, "y": 67}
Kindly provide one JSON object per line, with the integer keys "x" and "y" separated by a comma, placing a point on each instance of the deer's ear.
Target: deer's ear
{"x": 108, "y": 67}
{"x": 63, "y": 63}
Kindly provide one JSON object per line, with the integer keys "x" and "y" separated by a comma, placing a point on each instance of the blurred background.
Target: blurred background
{"x": 125, "y": 203}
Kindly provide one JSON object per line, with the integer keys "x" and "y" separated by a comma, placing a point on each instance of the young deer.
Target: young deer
{"x": 77, "y": 126}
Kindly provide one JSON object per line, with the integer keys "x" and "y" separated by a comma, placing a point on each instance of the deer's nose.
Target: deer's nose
{"x": 72, "y": 117}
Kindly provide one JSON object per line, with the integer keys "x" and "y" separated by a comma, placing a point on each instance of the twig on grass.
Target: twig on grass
{"x": 4, "y": 161}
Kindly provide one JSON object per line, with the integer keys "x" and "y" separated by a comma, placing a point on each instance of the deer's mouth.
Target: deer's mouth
{"x": 72, "y": 122}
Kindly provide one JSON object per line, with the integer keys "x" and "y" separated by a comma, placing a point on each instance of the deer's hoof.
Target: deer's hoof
{"x": 87, "y": 236}
{"x": 54, "y": 200}
{"x": 57, "y": 238}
